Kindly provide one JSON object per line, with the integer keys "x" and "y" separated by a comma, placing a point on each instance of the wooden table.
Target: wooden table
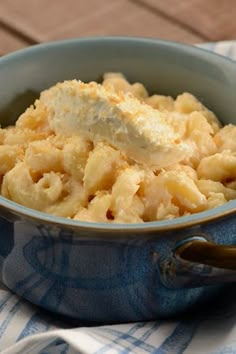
{"x": 27, "y": 22}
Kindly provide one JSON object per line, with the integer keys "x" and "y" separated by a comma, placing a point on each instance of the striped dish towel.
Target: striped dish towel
{"x": 29, "y": 330}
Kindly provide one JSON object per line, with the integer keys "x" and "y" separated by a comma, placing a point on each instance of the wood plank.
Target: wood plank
{"x": 212, "y": 19}
{"x": 47, "y": 20}
{"x": 9, "y": 42}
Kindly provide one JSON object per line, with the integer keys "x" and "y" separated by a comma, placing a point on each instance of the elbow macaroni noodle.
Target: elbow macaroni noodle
{"x": 77, "y": 178}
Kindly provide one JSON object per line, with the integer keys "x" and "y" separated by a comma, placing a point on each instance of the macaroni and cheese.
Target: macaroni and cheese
{"x": 111, "y": 153}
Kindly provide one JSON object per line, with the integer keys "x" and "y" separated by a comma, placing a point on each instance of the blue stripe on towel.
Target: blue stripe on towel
{"x": 34, "y": 325}
{"x": 143, "y": 338}
{"x": 121, "y": 338}
{"x": 180, "y": 338}
{"x": 9, "y": 317}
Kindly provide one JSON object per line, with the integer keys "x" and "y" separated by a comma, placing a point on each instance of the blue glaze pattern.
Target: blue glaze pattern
{"x": 108, "y": 280}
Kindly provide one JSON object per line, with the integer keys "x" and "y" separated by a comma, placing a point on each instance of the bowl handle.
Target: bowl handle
{"x": 197, "y": 262}
{"x": 209, "y": 253}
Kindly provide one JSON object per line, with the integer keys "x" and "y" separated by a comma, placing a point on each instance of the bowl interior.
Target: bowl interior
{"x": 163, "y": 67}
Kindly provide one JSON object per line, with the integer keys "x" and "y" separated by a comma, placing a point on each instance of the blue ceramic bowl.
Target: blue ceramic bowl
{"x": 116, "y": 273}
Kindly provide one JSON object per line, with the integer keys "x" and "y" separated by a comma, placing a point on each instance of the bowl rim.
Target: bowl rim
{"x": 137, "y": 39}
{"x": 214, "y": 214}
{"x": 183, "y": 222}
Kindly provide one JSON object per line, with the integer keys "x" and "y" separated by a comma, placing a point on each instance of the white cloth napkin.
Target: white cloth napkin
{"x": 27, "y": 329}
